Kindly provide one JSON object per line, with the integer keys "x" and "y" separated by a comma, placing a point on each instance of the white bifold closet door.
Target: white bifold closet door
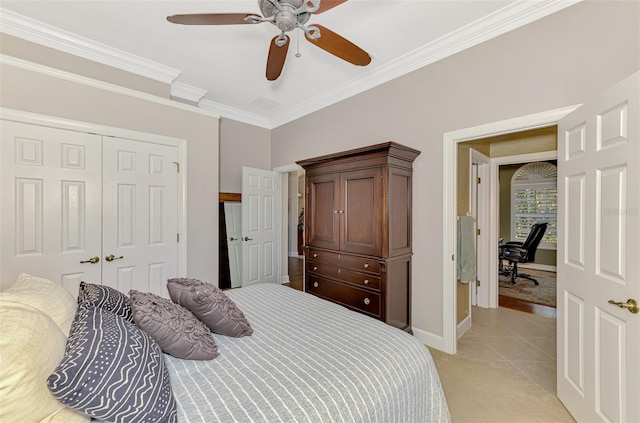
{"x": 85, "y": 207}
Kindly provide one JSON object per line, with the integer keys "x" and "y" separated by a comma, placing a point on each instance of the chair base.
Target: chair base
{"x": 513, "y": 273}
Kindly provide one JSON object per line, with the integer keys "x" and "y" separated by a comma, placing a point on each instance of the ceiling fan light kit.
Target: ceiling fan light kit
{"x": 286, "y": 15}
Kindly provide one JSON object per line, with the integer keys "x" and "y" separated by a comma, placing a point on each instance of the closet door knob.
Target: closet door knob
{"x": 111, "y": 257}
{"x": 92, "y": 260}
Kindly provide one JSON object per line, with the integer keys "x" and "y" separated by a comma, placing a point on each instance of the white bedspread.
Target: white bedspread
{"x": 309, "y": 360}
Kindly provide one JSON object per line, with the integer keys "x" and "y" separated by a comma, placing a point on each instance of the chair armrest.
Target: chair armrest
{"x": 513, "y": 252}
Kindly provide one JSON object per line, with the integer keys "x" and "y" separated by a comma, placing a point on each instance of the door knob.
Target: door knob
{"x": 92, "y": 260}
{"x": 111, "y": 257}
{"x": 232, "y": 239}
{"x": 246, "y": 238}
{"x": 630, "y": 305}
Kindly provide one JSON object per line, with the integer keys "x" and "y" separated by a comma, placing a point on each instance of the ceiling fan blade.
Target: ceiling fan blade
{"x": 340, "y": 47}
{"x": 328, "y": 4}
{"x": 276, "y": 58}
{"x": 211, "y": 18}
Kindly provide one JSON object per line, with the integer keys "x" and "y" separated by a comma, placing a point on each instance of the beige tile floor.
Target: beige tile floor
{"x": 504, "y": 371}
{"x": 513, "y": 339}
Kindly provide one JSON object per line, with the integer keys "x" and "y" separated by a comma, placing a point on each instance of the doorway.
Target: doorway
{"x": 450, "y": 211}
{"x": 528, "y": 198}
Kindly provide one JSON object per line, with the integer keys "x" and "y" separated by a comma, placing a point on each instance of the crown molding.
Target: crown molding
{"x": 506, "y": 19}
{"x": 20, "y": 26}
{"x": 95, "y": 83}
{"x": 187, "y": 92}
{"x": 236, "y": 114}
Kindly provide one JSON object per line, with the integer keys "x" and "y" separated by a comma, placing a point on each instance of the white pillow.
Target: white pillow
{"x": 48, "y": 297}
{"x": 31, "y": 346}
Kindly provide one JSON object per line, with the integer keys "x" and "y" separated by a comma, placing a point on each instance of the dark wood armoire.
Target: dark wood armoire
{"x": 358, "y": 230}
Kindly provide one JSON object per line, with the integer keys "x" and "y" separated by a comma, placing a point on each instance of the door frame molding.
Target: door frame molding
{"x": 283, "y": 250}
{"x": 482, "y": 212}
{"x": 450, "y": 142}
{"x": 110, "y": 131}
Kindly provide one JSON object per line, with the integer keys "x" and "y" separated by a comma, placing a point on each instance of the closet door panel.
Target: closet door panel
{"x": 51, "y": 201}
{"x": 140, "y": 215}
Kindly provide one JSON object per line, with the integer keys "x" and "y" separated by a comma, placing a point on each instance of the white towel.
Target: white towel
{"x": 466, "y": 249}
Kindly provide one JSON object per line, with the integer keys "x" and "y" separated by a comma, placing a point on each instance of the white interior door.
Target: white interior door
{"x": 599, "y": 256}
{"x": 233, "y": 223}
{"x": 260, "y": 252}
{"x": 51, "y": 204}
{"x": 140, "y": 217}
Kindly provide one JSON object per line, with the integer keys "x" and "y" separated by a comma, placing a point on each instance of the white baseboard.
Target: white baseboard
{"x": 463, "y": 326}
{"x": 536, "y": 266}
{"x": 284, "y": 279}
{"x": 429, "y": 339}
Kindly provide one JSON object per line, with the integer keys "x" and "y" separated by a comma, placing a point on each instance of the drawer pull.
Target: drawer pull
{"x": 366, "y": 265}
{"x": 367, "y": 301}
{"x": 315, "y": 267}
{"x": 315, "y": 284}
{"x": 315, "y": 255}
{"x": 366, "y": 281}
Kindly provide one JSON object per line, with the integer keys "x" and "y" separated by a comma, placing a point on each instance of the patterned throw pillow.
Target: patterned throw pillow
{"x": 176, "y": 330}
{"x": 209, "y": 304}
{"x": 105, "y": 297}
{"x": 113, "y": 371}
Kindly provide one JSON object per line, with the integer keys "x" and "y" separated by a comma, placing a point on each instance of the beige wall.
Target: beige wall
{"x": 48, "y": 95}
{"x": 555, "y": 62}
{"x": 241, "y": 144}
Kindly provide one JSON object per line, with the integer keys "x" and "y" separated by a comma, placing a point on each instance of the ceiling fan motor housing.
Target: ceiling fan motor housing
{"x": 285, "y": 18}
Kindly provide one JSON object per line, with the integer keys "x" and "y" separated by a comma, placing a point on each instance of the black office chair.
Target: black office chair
{"x": 521, "y": 252}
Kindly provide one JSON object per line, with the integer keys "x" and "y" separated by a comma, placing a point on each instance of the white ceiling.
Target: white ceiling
{"x": 223, "y": 67}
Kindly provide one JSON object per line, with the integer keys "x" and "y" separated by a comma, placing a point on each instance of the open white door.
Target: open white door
{"x": 599, "y": 257}
{"x": 260, "y": 235}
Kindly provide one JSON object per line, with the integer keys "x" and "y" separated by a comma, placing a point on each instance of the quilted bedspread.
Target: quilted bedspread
{"x": 309, "y": 360}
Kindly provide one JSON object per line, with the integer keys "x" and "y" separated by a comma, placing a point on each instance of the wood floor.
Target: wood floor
{"x": 296, "y": 266}
{"x": 527, "y": 307}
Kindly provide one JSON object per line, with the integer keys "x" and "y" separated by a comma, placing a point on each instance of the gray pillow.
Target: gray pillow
{"x": 175, "y": 329}
{"x": 113, "y": 371}
{"x": 105, "y": 297}
{"x": 209, "y": 304}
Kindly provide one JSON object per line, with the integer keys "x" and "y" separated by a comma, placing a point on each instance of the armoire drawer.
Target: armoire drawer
{"x": 345, "y": 260}
{"x": 347, "y": 275}
{"x": 350, "y": 296}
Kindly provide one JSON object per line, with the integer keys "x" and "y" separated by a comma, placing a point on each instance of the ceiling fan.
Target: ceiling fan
{"x": 286, "y": 15}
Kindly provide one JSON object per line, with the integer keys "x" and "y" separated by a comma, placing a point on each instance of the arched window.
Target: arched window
{"x": 534, "y": 199}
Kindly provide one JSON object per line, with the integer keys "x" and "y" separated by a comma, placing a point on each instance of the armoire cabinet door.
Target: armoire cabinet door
{"x": 361, "y": 211}
{"x": 323, "y": 211}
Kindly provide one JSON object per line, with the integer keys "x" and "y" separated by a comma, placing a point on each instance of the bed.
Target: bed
{"x": 308, "y": 360}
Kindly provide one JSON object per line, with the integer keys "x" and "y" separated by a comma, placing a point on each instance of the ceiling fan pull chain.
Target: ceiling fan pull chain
{"x": 298, "y": 44}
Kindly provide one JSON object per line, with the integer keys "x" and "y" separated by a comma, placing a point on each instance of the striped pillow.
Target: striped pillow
{"x": 113, "y": 371}
{"x": 105, "y": 297}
